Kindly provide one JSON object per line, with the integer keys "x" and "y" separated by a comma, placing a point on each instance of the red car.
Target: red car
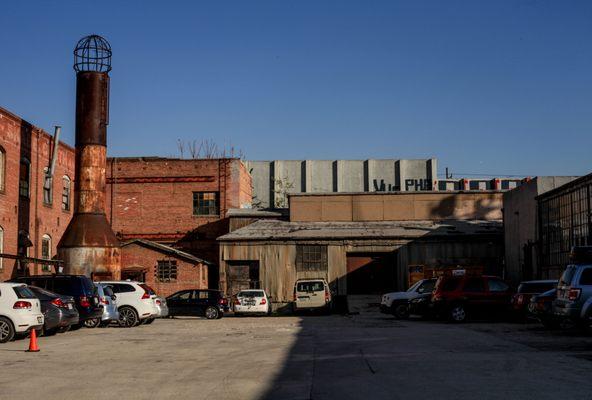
{"x": 528, "y": 289}
{"x": 457, "y": 297}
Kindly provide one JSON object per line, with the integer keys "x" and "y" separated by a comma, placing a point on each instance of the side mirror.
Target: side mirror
{"x": 113, "y": 297}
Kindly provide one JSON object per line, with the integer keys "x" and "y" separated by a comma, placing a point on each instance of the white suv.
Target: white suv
{"x": 20, "y": 310}
{"x": 136, "y": 302}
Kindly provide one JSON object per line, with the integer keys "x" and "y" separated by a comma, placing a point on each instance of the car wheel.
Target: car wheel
{"x": 128, "y": 317}
{"x": 92, "y": 323}
{"x": 6, "y": 330}
{"x": 50, "y": 332}
{"x": 400, "y": 311}
{"x": 212, "y": 313}
{"x": 64, "y": 329}
{"x": 75, "y": 327}
{"x": 458, "y": 313}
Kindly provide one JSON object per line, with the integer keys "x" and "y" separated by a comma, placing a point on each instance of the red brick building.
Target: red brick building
{"x": 166, "y": 269}
{"x": 178, "y": 202}
{"x": 161, "y": 208}
{"x": 34, "y": 211}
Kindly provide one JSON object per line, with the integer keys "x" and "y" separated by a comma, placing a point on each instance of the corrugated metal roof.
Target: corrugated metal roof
{"x": 163, "y": 248}
{"x": 255, "y": 213}
{"x": 284, "y": 230}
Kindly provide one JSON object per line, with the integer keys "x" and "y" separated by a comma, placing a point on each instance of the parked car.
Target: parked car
{"x": 20, "y": 310}
{"x": 397, "y": 303}
{"x": 59, "y": 311}
{"x": 312, "y": 294}
{"x": 541, "y": 309}
{"x": 421, "y": 305}
{"x": 525, "y": 291}
{"x": 251, "y": 302}
{"x": 573, "y": 291}
{"x": 197, "y": 302}
{"x": 136, "y": 301}
{"x": 162, "y": 306}
{"x": 457, "y": 297}
{"x": 80, "y": 287}
{"x": 108, "y": 300}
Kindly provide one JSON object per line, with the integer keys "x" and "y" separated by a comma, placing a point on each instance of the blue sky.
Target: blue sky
{"x": 487, "y": 87}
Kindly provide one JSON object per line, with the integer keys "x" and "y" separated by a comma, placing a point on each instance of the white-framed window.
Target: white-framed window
{"x": 25, "y": 178}
{"x": 47, "y": 187}
{"x": 46, "y": 251}
{"x": 66, "y": 183}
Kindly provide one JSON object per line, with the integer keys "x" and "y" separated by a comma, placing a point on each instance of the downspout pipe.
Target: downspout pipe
{"x": 54, "y": 155}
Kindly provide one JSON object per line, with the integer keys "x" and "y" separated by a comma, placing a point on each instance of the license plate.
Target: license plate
{"x": 40, "y": 320}
{"x": 69, "y": 306}
{"x": 249, "y": 303}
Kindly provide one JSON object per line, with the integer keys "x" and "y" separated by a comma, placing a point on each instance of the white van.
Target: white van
{"x": 310, "y": 294}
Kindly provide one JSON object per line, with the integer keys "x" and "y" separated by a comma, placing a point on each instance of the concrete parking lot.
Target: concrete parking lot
{"x": 370, "y": 356}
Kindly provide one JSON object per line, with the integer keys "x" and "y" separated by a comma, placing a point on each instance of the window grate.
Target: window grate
{"x": 166, "y": 271}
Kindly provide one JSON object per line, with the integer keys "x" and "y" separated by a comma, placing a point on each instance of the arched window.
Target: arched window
{"x": 47, "y": 187}
{"x": 1, "y": 247}
{"x": 46, "y": 251}
{"x": 66, "y": 193}
{"x": 2, "y": 169}
{"x": 25, "y": 178}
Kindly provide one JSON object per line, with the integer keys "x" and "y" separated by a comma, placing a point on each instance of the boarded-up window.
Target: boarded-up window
{"x": 166, "y": 271}
{"x": 311, "y": 258}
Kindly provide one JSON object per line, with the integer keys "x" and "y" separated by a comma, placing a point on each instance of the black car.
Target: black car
{"x": 197, "y": 302}
{"x": 541, "y": 309}
{"x": 421, "y": 305}
{"x": 59, "y": 311}
{"x": 80, "y": 287}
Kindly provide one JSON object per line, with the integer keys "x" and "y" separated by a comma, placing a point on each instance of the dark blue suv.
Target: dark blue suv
{"x": 78, "y": 286}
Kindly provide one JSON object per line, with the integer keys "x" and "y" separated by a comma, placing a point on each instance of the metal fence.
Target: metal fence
{"x": 565, "y": 220}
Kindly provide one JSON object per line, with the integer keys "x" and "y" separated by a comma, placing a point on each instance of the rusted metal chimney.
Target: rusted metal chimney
{"x": 89, "y": 245}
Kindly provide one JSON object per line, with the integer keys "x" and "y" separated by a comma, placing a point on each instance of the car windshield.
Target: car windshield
{"x": 415, "y": 286}
{"x": 108, "y": 291}
{"x": 428, "y": 285}
{"x": 43, "y": 294}
{"x": 23, "y": 292}
{"x": 251, "y": 294}
{"x": 148, "y": 289}
{"x": 567, "y": 275}
{"x": 316, "y": 286}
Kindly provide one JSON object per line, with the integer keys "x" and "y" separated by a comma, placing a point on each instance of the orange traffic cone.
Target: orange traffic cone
{"x": 33, "y": 342}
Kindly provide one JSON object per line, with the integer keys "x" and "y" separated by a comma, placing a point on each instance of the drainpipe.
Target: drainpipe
{"x": 54, "y": 155}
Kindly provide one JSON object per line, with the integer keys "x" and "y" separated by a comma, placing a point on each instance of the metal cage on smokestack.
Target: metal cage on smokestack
{"x": 89, "y": 246}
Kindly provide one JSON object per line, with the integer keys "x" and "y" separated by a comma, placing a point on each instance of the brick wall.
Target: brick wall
{"x": 189, "y": 275}
{"x": 19, "y": 139}
{"x": 152, "y": 198}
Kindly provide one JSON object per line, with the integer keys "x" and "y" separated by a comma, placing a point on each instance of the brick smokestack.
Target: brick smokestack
{"x": 89, "y": 246}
